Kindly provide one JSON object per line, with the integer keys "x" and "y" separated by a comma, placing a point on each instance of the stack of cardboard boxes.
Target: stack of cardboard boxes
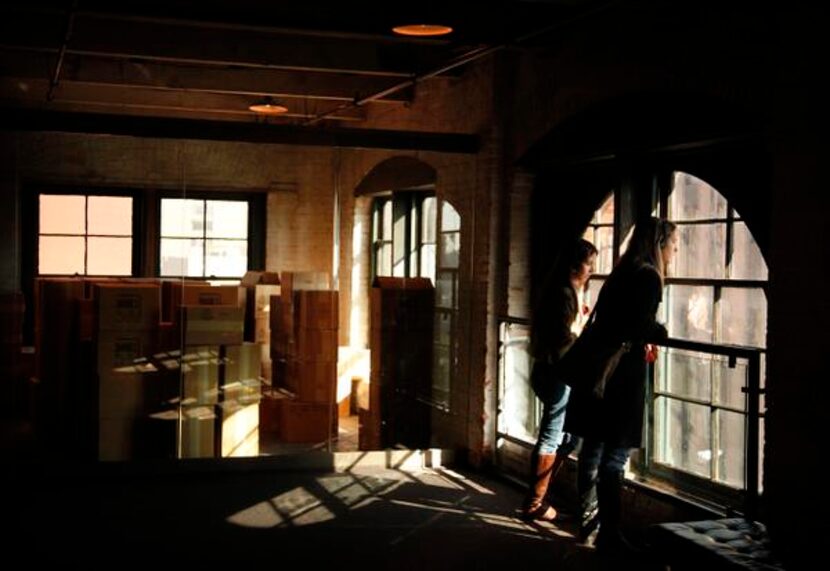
{"x": 304, "y": 331}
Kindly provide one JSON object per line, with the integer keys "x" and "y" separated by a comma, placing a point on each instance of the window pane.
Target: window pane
{"x": 60, "y": 255}
{"x": 384, "y": 261}
{"x": 604, "y": 243}
{"x": 181, "y": 257}
{"x": 730, "y": 383}
{"x": 227, "y": 219}
{"x": 442, "y": 329}
{"x": 594, "y": 287}
{"x": 109, "y": 256}
{"x": 743, "y": 317}
{"x": 62, "y": 214}
{"x": 428, "y": 220}
{"x": 731, "y": 448}
{"x": 701, "y": 252}
{"x": 605, "y": 213}
{"x": 444, "y": 290}
{"x": 110, "y": 215}
{"x": 182, "y": 218}
{"x": 428, "y": 261}
{"x": 518, "y": 418}
{"x": 450, "y": 245}
{"x": 684, "y": 373}
{"x": 693, "y": 199}
{"x": 387, "y": 220}
{"x": 747, "y": 261}
{"x": 450, "y": 220}
{"x": 681, "y": 436}
{"x": 690, "y": 312}
{"x": 226, "y": 258}
{"x": 441, "y": 375}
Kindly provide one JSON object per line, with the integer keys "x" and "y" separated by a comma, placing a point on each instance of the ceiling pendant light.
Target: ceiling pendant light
{"x": 268, "y": 106}
{"x": 423, "y": 30}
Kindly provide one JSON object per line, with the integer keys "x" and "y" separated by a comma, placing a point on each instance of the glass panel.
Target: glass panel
{"x": 441, "y": 374}
{"x": 387, "y": 220}
{"x": 60, "y": 255}
{"x": 730, "y": 382}
{"x": 450, "y": 220}
{"x": 428, "y": 261}
{"x": 682, "y": 436}
{"x": 62, "y": 214}
{"x": 693, "y": 199}
{"x": 443, "y": 328}
{"x": 110, "y": 256}
{"x": 743, "y": 317}
{"x": 731, "y": 440}
{"x": 444, "y": 290}
{"x": 690, "y": 312}
{"x": 227, "y": 219}
{"x": 450, "y": 245}
{"x": 604, "y": 243}
{"x": 226, "y": 258}
{"x": 181, "y": 257}
{"x": 428, "y": 220}
{"x": 519, "y": 409}
{"x": 684, "y": 373}
{"x": 182, "y": 218}
{"x": 605, "y": 213}
{"x": 701, "y": 252}
{"x": 384, "y": 261}
{"x": 761, "y": 440}
{"x": 110, "y": 215}
{"x": 594, "y": 287}
{"x": 747, "y": 261}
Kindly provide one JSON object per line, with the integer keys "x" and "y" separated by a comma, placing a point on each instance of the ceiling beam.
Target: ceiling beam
{"x": 146, "y": 74}
{"x": 32, "y": 93}
{"x": 15, "y": 119}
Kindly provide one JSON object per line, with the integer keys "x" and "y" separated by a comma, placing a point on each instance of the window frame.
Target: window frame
{"x": 31, "y": 266}
{"x": 643, "y": 462}
{"x": 255, "y": 232}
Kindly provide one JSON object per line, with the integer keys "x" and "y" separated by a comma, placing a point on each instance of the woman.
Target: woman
{"x": 611, "y": 425}
{"x": 555, "y": 329}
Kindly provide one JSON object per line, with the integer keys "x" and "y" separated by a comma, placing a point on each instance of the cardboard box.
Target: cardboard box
{"x": 213, "y": 295}
{"x": 213, "y": 325}
{"x": 252, "y": 278}
{"x": 307, "y": 422}
{"x": 316, "y": 310}
{"x": 127, "y": 307}
{"x": 313, "y": 381}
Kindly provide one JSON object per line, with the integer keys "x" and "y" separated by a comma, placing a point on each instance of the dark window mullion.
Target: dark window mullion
{"x": 86, "y": 234}
{"x": 204, "y": 238}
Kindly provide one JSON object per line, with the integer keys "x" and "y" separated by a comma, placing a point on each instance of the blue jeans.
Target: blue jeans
{"x": 595, "y": 458}
{"x": 552, "y": 439}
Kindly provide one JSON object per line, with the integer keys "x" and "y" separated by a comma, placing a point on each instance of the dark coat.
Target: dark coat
{"x": 625, "y": 312}
{"x": 552, "y": 337}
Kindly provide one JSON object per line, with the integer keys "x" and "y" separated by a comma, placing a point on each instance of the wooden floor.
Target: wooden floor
{"x": 358, "y": 517}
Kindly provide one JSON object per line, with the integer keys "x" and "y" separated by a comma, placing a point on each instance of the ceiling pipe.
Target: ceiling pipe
{"x": 70, "y": 22}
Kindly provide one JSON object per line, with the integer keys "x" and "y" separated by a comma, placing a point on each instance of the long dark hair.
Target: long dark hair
{"x": 648, "y": 239}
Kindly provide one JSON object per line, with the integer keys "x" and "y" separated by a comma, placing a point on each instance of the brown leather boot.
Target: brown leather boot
{"x": 536, "y": 507}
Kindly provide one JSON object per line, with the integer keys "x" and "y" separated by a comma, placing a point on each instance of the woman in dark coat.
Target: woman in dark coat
{"x": 611, "y": 425}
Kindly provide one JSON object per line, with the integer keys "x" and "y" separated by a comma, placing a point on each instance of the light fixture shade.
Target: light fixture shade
{"x": 268, "y": 107}
{"x": 422, "y": 30}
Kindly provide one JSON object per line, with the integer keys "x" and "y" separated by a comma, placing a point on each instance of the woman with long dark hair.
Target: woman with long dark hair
{"x": 611, "y": 424}
{"x": 557, "y": 320}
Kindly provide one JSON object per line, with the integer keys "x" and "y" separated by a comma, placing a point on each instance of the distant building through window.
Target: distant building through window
{"x": 203, "y": 238}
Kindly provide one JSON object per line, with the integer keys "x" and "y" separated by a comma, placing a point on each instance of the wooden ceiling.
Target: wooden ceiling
{"x": 210, "y": 60}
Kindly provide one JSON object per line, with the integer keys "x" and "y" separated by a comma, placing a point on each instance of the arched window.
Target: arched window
{"x": 715, "y": 295}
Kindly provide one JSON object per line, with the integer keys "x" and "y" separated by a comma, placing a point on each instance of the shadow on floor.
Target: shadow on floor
{"x": 369, "y": 518}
